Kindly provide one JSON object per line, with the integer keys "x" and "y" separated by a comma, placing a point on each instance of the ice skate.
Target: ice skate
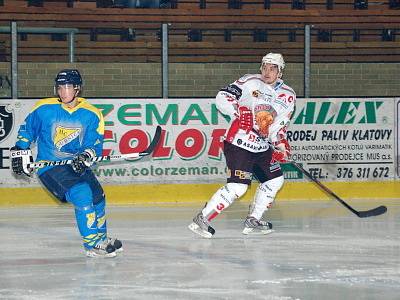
{"x": 254, "y": 226}
{"x": 201, "y": 226}
{"x": 116, "y": 243}
{"x": 102, "y": 248}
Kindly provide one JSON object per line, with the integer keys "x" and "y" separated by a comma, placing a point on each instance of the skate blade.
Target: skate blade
{"x": 251, "y": 231}
{"x": 196, "y": 229}
{"x": 94, "y": 255}
{"x": 112, "y": 254}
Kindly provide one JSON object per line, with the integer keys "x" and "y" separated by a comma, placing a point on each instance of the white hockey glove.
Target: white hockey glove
{"x": 83, "y": 161}
{"x": 20, "y": 158}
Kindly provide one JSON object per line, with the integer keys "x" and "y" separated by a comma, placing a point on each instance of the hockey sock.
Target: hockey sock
{"x": 101, "y": 218}
{"x": 80, "y": 195}
{"x": 264, "y": 197}
{"x": 87, "y": 225}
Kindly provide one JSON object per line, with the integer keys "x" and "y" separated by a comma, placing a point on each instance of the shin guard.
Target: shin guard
{"x": 80, "y": 195}
{"x": 101, "y": 219}
{"x": 264, "y": 197}
{"x": 224, "y": 197}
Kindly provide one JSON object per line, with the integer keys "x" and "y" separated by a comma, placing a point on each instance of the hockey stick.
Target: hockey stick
{"x": 361, "y": 214}
{"x": 119, "y": 157}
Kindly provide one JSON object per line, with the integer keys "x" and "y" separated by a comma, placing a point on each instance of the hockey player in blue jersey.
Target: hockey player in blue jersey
{"x": 68, "y": 127}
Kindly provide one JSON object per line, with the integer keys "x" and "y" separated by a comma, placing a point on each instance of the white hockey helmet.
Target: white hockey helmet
{"x": 274, "y": 59}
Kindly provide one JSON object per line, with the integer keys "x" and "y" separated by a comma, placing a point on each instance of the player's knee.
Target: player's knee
{"x": 239, "y": 189}
{"x": 80, "y": 195}
{"x": 98, "y": 197}
{"x": 272, "y": 186}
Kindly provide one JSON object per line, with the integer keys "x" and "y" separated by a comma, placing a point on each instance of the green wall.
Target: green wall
{"x": 203, "y": 79}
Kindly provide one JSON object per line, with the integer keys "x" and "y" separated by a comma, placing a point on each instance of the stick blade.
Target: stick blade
{"x": 154, "y": 142}
{"x": 372, "y": 212}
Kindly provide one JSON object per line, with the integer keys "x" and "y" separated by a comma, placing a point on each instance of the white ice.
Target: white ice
{"x": 319, "y": 250}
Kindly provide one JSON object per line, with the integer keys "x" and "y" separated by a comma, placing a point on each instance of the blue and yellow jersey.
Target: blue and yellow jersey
{"x": 61, "y": 132}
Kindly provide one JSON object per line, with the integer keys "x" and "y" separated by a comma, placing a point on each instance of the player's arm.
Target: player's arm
{"x": 282, "y": 147}
{"x": 28, "y": 132}
{"x": 94, "y": 135}
{"x": 282, "y": 150}
{"x": 227, "y": 100}
{"x": 92, "y": 145}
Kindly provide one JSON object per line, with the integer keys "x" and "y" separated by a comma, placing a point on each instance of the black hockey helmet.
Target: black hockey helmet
{"x": 69, "y": 76}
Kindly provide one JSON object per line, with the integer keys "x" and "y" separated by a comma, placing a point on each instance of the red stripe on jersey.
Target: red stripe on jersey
{"x": 232, "y": 131}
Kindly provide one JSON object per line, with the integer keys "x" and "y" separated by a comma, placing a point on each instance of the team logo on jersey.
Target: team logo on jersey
{"x": 283, "y": 97}
{"x": 6, "y": 121}
{"x": 262, "y": 95}
{"x": 64, "y": 135}
{"x": 256, "y": 93}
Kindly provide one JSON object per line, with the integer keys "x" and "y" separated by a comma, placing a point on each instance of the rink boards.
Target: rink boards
{"x": 184, "y": 194}
{"x": 351, "y": 144}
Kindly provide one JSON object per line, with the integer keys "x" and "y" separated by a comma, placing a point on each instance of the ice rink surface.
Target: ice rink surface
{"x": 319, "y": 250}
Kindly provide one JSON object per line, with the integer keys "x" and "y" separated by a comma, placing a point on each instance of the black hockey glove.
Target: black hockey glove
{"x": 83, "y": 161}
{"x": 20, "y": 158}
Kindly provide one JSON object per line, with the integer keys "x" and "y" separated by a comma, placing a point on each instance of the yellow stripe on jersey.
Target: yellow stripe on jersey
{"x": 86, "y": 105}
{"x": 45, "y": 101}
{"x": 82, "y": 103}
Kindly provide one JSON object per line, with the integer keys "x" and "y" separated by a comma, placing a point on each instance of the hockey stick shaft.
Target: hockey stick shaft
{"x": 113, "y": 158}
{"x": 120, "y": 157}
{"x": 361, "y": 214}
{"x": 323, "y": 187}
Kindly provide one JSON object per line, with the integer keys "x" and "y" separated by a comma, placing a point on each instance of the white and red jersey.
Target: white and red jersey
{"x": 251, "y": 91}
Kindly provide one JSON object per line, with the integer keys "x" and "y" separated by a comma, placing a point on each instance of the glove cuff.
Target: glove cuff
{"x": 90, "y": 153}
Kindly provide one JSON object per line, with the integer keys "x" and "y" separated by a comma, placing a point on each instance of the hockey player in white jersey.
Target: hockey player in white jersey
{"x": 260, "y": 107}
